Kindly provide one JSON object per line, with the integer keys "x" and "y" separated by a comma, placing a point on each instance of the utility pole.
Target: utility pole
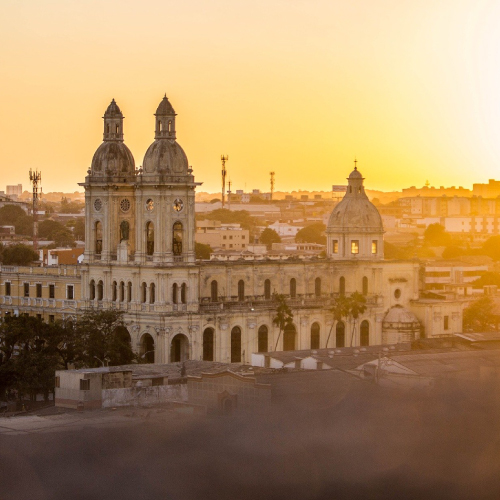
{"x": 224, "y": 172}
{"x": 272, "y": 184}
{"x": 35, "y": 179}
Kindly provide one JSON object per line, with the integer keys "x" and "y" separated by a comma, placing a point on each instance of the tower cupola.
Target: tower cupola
{"x": 165, "y": 120}
{"x": 113, "y": 123}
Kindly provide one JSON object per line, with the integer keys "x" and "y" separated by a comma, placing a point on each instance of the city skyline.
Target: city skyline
{"x": 410, "y": 90}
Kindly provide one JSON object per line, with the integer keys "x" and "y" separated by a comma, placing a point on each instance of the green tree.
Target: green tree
{"x": 268, "y": 237}
{"x": 203, "y": 251}
{"x": 284, "y": 315}
{"x": 63, "y": 238}
{"x": 18, "y": 255}
{"x": 101, "y": 337}
{"x": 24, "y": 225}
{"x": 487, "y": 278}
{"x": 350, "y": 308}
{"x": 491, "y": 247}
{"x": 9, "y": 214}
{"x": 315, "y": 233}
{"x": 480, "y": 316}
{"x": 79, "y": 229}
{"x": 70, "y": 207}
{"x": 436, "y": 235}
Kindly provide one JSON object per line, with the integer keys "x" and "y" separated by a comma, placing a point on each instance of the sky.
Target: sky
{"x": 301, "y": 88}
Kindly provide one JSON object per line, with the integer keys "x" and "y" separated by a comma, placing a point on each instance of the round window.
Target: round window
{"x": 98, "y": 205}
{"x": 397, "y": 293}
{"x": 150, "y": 204}
{"x": 125, "y": 205}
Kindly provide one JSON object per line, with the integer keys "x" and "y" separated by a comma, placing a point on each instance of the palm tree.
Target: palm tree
{"x": 284, "y": 315}
{"x": 340, "y": 309}
{"x": 357, "y": 306}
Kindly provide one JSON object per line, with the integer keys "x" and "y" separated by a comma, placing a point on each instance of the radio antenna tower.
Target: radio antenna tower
{"x": 272, "y": 184}
{"x": 35, "y": 179}
{"x": 229, "y": 195}
{"x": 224, "y": 172}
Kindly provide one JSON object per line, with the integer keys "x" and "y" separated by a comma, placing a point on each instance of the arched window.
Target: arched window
{"x": 342, "y": 286}
{"x": 129, "y": 291}
{"x": 150, "y": 238}
{"x": 122, "y": 291}
{"x": 263, "y": 345}
{"x": 174, "y": 293}
{"x": 124, "y": 230}
{"x": 340, "y": 334}
{"x": 179, "y": 348}
{"x": 177, "y": 239}
{"x": 148, "y": 348}
{"x": 236, "y": 345}
{"x": 364, "y": 333}
{"x": 117, "y": 128}
{"x": 107, "y": 128}
{"x": 241, "y": 290}
{"x": 267, "y": 289}
{"x": 289, "y": 338}
{"x": 293, "y": 288}
{"x": 92, "y": 290}
{"x": 115, "y": 291}
{"x": 152, "y": 290}
{"x": 317, "y": 287}
{"x": 315, "y": 336}
{"x": 98, "y": 237}
{"x": 160, "y": 126}
{"x": 365, "y": 285}
{"x": 144, "y": 293}
{"x": 214, "y": 296}
{"x": 99, "y": 290}
{"x": 170, "y": 125}
{"x": 208, "y": 344}
{"x": 183, "y": 293}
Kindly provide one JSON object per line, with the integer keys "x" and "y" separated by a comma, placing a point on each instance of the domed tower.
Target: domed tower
{"x": 355, "y": 230}
{"x": 165, "y": 197}
{"x": 109, "y": 194}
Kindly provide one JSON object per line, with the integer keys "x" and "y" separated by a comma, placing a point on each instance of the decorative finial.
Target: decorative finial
{"x": 165, "y": 96}
{"x": 355, "y": 164}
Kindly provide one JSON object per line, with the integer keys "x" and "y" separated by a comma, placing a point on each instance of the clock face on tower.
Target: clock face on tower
{"x": 178, "y": 205}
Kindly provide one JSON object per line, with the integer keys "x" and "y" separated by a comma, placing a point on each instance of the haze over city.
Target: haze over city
{"x": 410, "y": 89}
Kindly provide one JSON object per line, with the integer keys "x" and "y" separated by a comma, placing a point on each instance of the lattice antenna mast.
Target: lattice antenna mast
{"x": 35, "y": 179}
{"x": 229, "y": 195}
{"x": 272, "y": 184}
{"x": 224, "y": 173}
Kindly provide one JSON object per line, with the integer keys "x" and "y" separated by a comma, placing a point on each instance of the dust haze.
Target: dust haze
{"x": 368, "y": 442}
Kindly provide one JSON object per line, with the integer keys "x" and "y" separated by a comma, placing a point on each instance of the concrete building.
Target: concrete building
{"x": 225, "y": 236}
{"x": 139, "y": 259}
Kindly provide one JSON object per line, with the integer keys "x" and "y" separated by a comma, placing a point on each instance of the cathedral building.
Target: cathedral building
{"x": 140, "y": 259}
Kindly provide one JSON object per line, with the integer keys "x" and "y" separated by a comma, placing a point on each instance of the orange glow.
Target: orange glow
{"x": 300, "y": 88}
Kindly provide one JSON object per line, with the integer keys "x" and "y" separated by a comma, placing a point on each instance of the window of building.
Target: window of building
{"x": 224, "y": 237}
{"x": 98, "y": 238}
{"x": 317, "y": 287}
{"x": 85, "y": 384}
{"x": 52, "y": 292}
{"x": 177, "y": 239}
{"x": 293, "y": 288}
{"x": 100, "y": 290}
{"x": 129, "y": 291}
{"x": 26, "y": 289}
{"x": 7, "y": 288}
{"x": 174, "y": 293}
{"x": 183, "y": 293}
{"x": 243, "y": 237}
{"x": 315, "y": 336}
{"x": 230, "y": 245}
{"x": 51, "y": 318}
{"x": 39, "y": 316}
{"x": 335, "y": 246}
{"x": 365, "y": 285}
{"x": 262, "y": 342}
{"x": 122, "y": 291}
{"x": 364, "y": 333}
{"x": 374, "y": 247}
{"x": 446, "y": 322}
{"x": 231, "y": 237}
{"x": 144, "y": 293}
{"x": 39, "y": 290}
{"x": 355, "y": 246}
{"x": 397, "y": 293}
{"x": 213, "y": 291}
{"x": 70, "y": 292}
{"x": 241, "y": 290}
{"x": 267, "y": 289}
{"x": 342, "y": 285}
{"x": 152, "y": 291}
{"x": 92, "y": 290}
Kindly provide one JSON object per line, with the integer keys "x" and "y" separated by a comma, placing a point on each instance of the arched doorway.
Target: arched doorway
{"x": 148, "y": 348}
{"x": 315, "y": 336}
{"x": 263, "y": 345}
{"x": 236, "y": 345}
{"x": 289, "y": 338}
{"x": 208, "y": 344}
{"x": 179, "y": 348}
{"x": 123, "y": 349}
{"x": 364, "y": 333}
{"x": 340, "y": 334}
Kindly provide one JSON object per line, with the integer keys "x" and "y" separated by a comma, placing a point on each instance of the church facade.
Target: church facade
{"x": 140, "y": 259}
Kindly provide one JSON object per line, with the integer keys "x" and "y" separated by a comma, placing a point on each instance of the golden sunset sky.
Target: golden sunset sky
{"x": 412, "y": 88}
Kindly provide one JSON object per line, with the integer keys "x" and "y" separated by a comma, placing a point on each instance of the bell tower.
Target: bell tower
{"x": 165, "y": 120}
{"x": 113, "y": 123}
